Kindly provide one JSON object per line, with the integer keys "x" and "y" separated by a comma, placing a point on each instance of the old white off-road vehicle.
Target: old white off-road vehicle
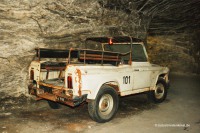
{"x": 105, "y": 69}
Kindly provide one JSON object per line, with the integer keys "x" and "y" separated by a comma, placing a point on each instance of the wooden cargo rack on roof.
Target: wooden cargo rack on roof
{"x": 83, "y": 55}
{"x": 100, "y": 56}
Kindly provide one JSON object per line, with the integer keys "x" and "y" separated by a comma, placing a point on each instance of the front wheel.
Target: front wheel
{"x": 160, "y": 92}
{"x": 105, "y": 106}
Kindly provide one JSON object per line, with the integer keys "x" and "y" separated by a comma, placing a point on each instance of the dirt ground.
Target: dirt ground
{"x": 179, "y": 113}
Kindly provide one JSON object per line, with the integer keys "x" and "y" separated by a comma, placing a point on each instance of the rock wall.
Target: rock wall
{"x": 173, "y": 51}
{"x": 28, "y": 24}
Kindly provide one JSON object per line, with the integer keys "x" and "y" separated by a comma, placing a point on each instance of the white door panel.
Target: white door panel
{"x": 141, "y": 75}
{"x": 126, "y": 81}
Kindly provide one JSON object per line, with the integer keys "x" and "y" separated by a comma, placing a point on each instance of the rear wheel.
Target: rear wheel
{"x": 105, "y": 106}
{"x": 160, "y": 93}
{"x": 53, "y": 105}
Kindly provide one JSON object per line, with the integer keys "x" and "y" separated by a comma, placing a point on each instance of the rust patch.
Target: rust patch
{"x": 78, "y": 80}
{"x": 58, "y": 94}
{"x": 52, "y": 86}
{"x": 115, "y": 87}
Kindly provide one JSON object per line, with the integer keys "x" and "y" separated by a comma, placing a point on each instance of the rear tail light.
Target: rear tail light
{"x": 31, "y": 75}
{"x": 69, "y": 82}
{"x": 110, "y": 41}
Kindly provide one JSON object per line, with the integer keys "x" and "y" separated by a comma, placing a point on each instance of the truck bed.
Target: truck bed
{"x": 56, "y": 81}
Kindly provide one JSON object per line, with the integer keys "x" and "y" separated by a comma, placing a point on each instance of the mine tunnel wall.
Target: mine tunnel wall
{"x": 26, "y": 25}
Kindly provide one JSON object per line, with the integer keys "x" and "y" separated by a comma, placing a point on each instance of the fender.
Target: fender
{"x": 162, "y": 73}
{"x": 112, "y": 83}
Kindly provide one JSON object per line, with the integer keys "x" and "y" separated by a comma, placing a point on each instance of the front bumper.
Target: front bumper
{"x": 56, "y": 94}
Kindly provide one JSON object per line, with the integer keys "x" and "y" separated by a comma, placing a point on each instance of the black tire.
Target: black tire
{"x": 105, "y": 106}
{"x": 53, "y": 105}
{"x": 160, "y": 94}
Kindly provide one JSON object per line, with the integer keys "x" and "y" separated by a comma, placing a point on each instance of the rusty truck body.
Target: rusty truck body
{"x": 99, "y": 73}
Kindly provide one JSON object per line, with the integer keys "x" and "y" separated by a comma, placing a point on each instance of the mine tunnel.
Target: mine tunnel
{"x": 169, "y": 30}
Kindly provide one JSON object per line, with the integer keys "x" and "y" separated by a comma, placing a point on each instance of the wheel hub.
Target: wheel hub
{"x": 159, "y": 92}
{"x": 106, "y": 104}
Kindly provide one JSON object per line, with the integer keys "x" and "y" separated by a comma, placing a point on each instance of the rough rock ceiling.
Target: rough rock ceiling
{"x": 162, "y": 15}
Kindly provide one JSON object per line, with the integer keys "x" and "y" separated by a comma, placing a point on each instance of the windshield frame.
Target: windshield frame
{"x": 129, "y": 59}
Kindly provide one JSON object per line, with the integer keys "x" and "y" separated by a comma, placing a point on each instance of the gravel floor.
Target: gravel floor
{"x": 179, "y": 113}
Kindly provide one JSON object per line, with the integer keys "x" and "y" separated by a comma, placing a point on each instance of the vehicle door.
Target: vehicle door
{"x": 140, "y": 67}
{"x": 125, "y": 76}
